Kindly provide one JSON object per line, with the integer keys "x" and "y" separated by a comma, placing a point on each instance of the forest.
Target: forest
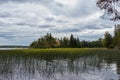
{"x": 48, "y": 41}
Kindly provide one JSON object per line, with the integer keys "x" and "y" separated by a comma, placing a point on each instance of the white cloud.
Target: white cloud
{"x": 69, "y": 3}
{"x": 21, "y": 22}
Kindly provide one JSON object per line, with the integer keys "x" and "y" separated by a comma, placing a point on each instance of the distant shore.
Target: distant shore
{"x": 11, "y": 48}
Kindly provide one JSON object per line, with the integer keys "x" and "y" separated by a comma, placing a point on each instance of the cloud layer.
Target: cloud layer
{"x": 23, "y": 21}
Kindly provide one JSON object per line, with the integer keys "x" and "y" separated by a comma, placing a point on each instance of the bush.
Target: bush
{"x": 111, "y": 46}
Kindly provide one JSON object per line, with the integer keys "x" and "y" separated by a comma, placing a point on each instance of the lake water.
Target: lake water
{"x": 11, "y": 48}
{"x": 8, "y": 48}
{"x": 60, "y": 67}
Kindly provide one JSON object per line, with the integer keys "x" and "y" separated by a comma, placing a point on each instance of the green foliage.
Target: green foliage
{"x": 116, "y": 39}
{"x": 73, "y": 41}
{"x": 112, "y": 46}
{"x": 48, "y": 41}
{"x": 108, "y": 40}
{"x": 64, "y": 42}
{"x": 56, "y": 52}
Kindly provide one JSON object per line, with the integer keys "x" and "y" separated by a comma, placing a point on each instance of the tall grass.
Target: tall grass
{"x": 58, "y": 51}
{"x": 62, "y": 53}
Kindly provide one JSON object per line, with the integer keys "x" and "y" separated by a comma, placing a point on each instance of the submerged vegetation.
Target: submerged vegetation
{"x": 48, "y": 41}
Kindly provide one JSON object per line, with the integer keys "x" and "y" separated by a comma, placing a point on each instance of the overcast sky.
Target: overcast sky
{"x": 23, "y": 21}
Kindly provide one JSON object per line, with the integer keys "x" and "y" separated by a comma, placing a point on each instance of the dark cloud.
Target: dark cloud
{"x": 46, "y": 26}
{"x": 7, "y": 36}
{"x": 65, "y": 30}
{"x": 49, "y": 19}
{"x": 94, "y": 27}
{"x": 25, "y": 24}
{"x": 4, "y": 15}
{"x": 62, "y": 21}
{"x": 59, "y": 4}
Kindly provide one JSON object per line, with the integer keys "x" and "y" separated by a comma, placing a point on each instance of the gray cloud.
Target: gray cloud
{"x": 62, "y": 21}
{"x": 65, "y": 30}
{"x": 47, "y": 1}
{"x": 49, "y": 19}
{"x": 7, "y": 36}
{"x": 46, "y": 26}
{"x": 23, "y": 21}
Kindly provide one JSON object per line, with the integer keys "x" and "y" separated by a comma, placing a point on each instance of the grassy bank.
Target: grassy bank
{"x": 59, "y": 53}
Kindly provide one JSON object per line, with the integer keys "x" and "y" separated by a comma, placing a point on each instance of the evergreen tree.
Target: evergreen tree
{"x": 65, "y": 42}
{"x": 73, "y": 41}
{"x": 117, "y": 36}
{"x": 78, "y": 43}
{"x": 108, "y": 40}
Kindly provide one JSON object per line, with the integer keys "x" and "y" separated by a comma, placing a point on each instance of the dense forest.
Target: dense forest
{"x": 48, "y": 41}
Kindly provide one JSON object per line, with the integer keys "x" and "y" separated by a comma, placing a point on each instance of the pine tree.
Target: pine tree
{"x": 117, "y": 36}
{"x": 73, "y": 41}
{"x": 108, "y": 40}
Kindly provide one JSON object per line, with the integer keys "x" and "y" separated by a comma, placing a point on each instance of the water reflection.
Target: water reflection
{"x": 94, "y": 67}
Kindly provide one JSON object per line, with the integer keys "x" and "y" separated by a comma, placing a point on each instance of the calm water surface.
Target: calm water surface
{"x": 11, "y": 48}
{"x": 55, "y": 67}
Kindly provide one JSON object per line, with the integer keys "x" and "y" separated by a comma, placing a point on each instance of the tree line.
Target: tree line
{"x": 48, "y": 41}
